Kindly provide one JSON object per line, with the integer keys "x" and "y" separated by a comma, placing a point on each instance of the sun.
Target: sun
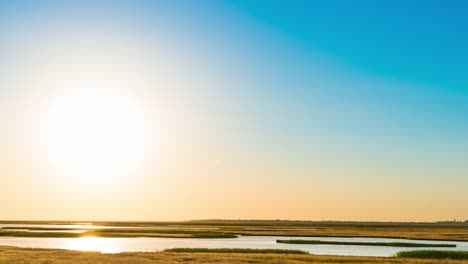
{"x": 94, "y": 134}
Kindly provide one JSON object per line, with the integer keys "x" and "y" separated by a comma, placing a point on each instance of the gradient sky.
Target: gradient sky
{"x": 318, "y": 110}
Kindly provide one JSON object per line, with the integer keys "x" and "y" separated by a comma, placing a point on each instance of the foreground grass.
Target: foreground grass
{"x": 434, "y": 254}
{"x": 12, "y": 255}
{"x": 379, "y": 244}
{"x": 236, "y": 250}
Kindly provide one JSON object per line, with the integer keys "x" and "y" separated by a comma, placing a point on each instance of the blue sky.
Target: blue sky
{"x": 416, "y": 41}
{"x": 371, "y": 94}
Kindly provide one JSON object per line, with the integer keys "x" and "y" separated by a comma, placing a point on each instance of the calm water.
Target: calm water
{"x": 115, "y": 245}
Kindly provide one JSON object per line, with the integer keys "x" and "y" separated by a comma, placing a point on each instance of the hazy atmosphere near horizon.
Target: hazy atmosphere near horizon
{"x": 179, "y": 110}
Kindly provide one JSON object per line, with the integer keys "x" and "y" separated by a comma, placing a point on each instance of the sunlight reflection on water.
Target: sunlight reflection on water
{"x": 91, "y": 244}
{"x": 146, "y": 244}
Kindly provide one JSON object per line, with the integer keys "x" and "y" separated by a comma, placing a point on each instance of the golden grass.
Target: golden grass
{"x": 118, "y": 233}
{"x": 355, "y": 243}
{"x": 414, "y": 232}
{"x": 12, "y": 255}
{"x": 430, "y": 231}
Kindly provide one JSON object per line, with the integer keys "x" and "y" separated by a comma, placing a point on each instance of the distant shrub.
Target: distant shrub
{"x": 434, "y": 254}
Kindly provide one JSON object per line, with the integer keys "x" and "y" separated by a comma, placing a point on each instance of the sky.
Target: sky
{"x": 178, "y": 110}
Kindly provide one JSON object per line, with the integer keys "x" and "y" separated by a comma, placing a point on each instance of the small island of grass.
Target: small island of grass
{"x": 381, "y": 244}
{"x": 235, "y": 250}
{"x": 119, "y": 233}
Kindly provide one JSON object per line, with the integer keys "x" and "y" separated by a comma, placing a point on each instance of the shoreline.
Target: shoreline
{"x": 10, "y": 254}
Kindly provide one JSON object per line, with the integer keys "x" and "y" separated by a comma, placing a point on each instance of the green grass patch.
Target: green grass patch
{"x": 157, "y": 233}
{"x": 39, "y": 234}
{"x": 41, "y": 228}
{"x": 434, "y": 254}
{"x": 379, "y": 244}
{"x": 235, "y": 250}
{"x": 120, "y": 233}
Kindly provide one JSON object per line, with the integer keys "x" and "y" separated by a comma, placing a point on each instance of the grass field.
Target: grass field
{"x": 118, "y": 233}
{"x": 229, "y": 228}
{"x": 11, "y": 255}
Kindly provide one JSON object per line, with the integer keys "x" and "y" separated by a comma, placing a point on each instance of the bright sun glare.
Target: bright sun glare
{"x": 103, "y": 245}
{"x": 94, "y": 134}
